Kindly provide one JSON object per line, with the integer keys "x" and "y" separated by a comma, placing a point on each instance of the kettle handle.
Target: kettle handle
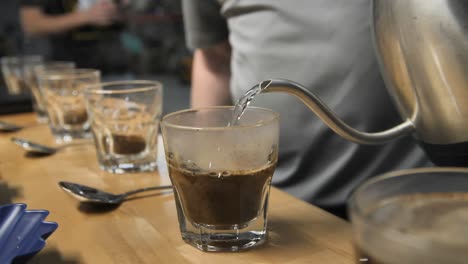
{"x": 331, "y": 119}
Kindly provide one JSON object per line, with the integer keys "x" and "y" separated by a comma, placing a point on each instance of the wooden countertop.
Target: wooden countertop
{"x": 146, "y": 230}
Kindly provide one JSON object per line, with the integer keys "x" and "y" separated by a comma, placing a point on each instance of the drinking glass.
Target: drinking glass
{"x": 65, "y": 103}
{"x": 13, "y": 70}
{"x": 124, "y": 118}
{"x": 221, "y": 174}
{"x": 32, "y": 72}
{"x": 412, "y": 216}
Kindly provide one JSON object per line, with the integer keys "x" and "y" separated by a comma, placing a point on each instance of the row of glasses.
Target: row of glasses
{"x": 221, "y": 174}
{"x": 123, "y": 117}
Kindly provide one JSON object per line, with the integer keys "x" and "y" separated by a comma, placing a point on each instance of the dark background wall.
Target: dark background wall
{"x": 151, "y": 46}
{"x": 10, "y": 31}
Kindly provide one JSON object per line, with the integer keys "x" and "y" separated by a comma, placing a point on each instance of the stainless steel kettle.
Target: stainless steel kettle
{"x": 422, "y": 46}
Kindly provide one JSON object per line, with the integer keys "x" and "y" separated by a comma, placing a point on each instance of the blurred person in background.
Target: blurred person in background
{"x": 85, "y": 31}
{"x": 327, "y": 47}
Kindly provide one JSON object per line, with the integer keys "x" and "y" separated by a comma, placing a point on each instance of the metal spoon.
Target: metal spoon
{"x": 91, "y": 195}
{"x": 9, "y": 127}
{"x": 34, "y": 148}
{"x": 38, "y": 149}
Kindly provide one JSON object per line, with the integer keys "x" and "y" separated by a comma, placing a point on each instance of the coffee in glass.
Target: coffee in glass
{"x": 124, "y": 118}
{"x": 221, "y": 174}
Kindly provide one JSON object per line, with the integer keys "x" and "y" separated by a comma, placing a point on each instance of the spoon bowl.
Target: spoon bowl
{"x": 33, "y": 147}
{"x": 37, "y": 149}
{"x": 86, "y": 194}
{"x": 9, "y": 127}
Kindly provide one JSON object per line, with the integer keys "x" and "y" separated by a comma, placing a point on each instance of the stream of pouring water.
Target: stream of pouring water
{"x": 245, "y": 100}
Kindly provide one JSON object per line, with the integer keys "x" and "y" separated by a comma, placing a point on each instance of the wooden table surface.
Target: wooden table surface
{"x": 145, "y": 230}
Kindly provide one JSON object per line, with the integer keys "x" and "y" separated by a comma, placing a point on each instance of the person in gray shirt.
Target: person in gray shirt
{"x": 327, "y": 47}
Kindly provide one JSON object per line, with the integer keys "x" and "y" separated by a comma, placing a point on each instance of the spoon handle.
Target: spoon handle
{"x": 148, "y": 189}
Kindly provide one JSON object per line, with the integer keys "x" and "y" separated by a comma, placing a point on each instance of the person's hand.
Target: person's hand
{"x": 103, "y": 13}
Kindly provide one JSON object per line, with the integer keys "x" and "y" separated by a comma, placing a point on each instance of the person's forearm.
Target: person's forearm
{"x": 36, "y": 23}
{"x": 210, "y": 77}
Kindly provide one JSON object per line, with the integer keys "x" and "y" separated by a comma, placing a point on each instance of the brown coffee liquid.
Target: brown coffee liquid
{"x": 230, "y": 198}
{"x": 128, "y": 144}
{"x": 75, "y": 117}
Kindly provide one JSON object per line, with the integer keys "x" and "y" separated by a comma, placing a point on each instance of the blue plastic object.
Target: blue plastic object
{"x": 22, "y": 232}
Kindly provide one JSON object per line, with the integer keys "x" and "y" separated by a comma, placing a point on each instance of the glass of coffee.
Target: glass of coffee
{"x": 221, "y": 174}
{"x": 31, "y": 71}
{"x": 412, "y": 216}
{"x": 63, "y": 91}
{"x": 13, "y": 70}
{"x": 124, "y": 118}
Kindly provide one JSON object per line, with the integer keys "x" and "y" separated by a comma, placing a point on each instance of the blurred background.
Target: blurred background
{"x": 147, "y": 43}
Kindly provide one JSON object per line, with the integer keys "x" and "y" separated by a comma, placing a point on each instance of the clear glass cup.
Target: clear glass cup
{"x": 412, "y": 216}
{"x": 32, "y": 72}
{"x": 65, "y": 102}
{"x": 221, "y": 174}
{"x": 125, "y": 119}
{"x": 13, "y": 70}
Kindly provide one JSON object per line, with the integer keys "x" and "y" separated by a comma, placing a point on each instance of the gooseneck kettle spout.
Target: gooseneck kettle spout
{"x": 331, "y": 119}
{"x": 422, "y": 50}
